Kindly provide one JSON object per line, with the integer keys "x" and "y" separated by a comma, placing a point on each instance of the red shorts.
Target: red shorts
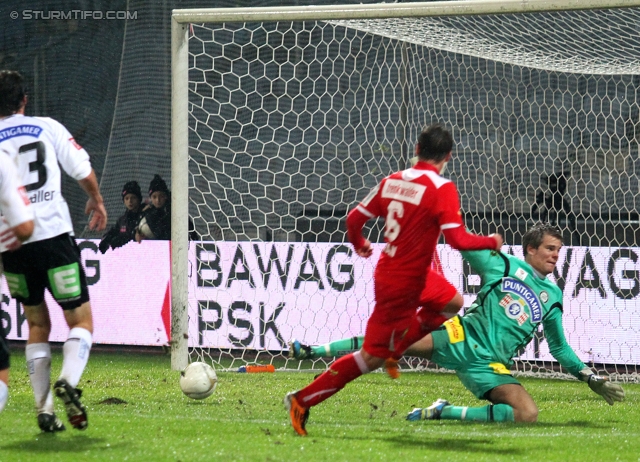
{"x": 395, "y": 310}
{"x": 437, "y": 292}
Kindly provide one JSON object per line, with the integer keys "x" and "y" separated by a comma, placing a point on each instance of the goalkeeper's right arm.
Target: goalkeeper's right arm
{"x": 611, "y": 392}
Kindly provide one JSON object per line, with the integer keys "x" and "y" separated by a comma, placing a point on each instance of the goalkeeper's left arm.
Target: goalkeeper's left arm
{"x": 611, "y": 392}
{"x": 560, "y": 349}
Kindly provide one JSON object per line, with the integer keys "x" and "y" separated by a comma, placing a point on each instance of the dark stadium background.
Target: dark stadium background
{"x": 109, "y": 82}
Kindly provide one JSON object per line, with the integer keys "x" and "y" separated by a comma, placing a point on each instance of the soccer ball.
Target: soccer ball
{"x": 144, "y": 228}
{"x": 198, "y": 380}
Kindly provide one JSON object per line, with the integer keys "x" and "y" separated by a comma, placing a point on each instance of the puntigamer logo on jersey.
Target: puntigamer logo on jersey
{"x": 20, "y": 130}
{"x": 513, "y": 286}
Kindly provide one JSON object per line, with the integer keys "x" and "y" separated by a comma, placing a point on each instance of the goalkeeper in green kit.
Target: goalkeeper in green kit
{"x": 515, "y": 298}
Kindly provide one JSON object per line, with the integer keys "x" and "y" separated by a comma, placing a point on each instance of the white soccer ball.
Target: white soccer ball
{"x": 144, "y": 229}
{"x": 198, "y": 380}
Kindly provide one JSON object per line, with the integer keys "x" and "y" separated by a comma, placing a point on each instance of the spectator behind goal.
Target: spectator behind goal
{"x": 124, "y": 229}
{"x": 156, "y": 216}
{"x": 156, "y": 220}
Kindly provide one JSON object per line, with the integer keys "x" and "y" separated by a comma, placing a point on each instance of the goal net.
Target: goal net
{"x": 285, "y": 118}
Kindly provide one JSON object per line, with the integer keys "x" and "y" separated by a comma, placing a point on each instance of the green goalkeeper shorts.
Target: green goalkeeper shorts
{"x": 477, "y": 372}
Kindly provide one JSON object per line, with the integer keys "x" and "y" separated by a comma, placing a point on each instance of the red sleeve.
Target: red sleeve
{"x": 460, "y": 239}
{"x": 448, "y": 204}
{"x": 450, "y": 220}
{"x": 355, "y": 222}
{"x": 368, "y": 208}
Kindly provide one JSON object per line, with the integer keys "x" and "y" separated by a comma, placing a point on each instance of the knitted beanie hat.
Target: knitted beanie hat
{"x": 158, "y": 184}
{"x": 132, "y": 187}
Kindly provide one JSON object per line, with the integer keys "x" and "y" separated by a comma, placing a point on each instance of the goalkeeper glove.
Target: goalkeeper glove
{"x": 601, "y": 385}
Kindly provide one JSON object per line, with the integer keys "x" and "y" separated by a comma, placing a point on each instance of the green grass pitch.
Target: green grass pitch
{"x": 245, "y": 421}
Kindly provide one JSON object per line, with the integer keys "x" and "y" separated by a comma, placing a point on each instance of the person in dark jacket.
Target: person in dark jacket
{"x": 156, "y": 219}
{"x": 551, "y": 203}
{"x": 124, "y": 229}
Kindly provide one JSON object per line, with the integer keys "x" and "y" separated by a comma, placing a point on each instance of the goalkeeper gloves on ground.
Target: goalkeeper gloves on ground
{"x": 601, "y": 385}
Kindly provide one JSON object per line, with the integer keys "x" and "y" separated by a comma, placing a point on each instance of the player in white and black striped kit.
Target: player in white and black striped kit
{"x": 50, "y": 259}
{"x": 16, "y": 226}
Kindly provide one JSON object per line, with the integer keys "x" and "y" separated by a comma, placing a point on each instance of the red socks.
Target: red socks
{"x": 331, "y": 381}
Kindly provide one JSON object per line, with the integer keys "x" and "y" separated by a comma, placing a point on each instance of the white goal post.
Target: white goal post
{"x": 576, "y": 115}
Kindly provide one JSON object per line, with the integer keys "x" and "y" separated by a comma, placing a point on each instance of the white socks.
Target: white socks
{"x": 39, "y": 368}
{"x": 75, "y": 353}
{"x": 75, "y": 356}
{"x": 4, "y": 395}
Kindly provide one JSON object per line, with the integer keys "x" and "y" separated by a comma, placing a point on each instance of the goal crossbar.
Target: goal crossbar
{"x": 389, "y": 10}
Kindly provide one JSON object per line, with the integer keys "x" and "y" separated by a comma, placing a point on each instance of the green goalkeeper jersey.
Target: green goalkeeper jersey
{"x": 512, "y": 302}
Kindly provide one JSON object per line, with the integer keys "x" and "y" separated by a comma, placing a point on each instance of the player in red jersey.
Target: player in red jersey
{"x": 438, "y": 295}
{"x": 417, "y": 205}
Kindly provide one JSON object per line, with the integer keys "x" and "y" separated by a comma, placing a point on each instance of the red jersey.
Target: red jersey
{"x": 417, "y": 205}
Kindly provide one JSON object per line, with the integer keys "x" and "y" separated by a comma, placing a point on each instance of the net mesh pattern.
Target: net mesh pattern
{"x": 292, "y": 124}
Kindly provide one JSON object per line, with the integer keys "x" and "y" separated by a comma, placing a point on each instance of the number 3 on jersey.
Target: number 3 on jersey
{"x": 36, "y": 165}
{"x": 392, "y": 227}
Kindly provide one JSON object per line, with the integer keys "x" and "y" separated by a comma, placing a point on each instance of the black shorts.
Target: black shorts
{"x": 51, "y": 263}
{"x": 4, "y": 350}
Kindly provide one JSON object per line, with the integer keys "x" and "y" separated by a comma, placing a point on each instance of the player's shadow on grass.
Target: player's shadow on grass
{"x": 482, "y": 445}
{"x": 202, "y": 402}
{"x": 573, "y": 423}
{"x": 457, "y": 444}
{"x": 45, "y": 443}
